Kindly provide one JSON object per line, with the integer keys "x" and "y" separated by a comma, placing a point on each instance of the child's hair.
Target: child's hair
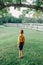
{"x": 21, "y": 31}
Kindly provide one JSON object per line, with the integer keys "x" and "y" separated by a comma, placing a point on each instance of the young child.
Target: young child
{"x": 21, "y": 41}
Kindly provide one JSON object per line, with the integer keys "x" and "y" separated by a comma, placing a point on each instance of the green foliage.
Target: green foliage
{"x": 32, "y": 20}
{"x": 38, "y": 2}
{"x": 1, "y": 2}
{"x": 22, "y": 19}
{"x": 10, "y": 19}
{"x": 11, "y": 1}
{"x": 4, "y": 11}
{"x": 5, "y": 2}
{"x": 40, "y": 21}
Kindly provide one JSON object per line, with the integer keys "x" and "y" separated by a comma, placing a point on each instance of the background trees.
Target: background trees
{"x": 36, "y": 7}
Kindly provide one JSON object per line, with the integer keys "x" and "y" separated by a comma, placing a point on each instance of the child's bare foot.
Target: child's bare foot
{"x": 20, "y": 57}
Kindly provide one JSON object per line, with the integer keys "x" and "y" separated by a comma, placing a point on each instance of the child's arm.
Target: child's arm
{"x": 24, "y": 40}
{"x": 18, "y": 41}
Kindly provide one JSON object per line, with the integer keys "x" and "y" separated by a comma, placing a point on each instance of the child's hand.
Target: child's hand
{"x": 17, "y": 45}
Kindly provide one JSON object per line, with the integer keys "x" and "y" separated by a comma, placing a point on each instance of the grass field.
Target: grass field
{"x": 33, "y": 48}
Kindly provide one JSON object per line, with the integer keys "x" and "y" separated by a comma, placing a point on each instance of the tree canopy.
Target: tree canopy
{"x": 21, "y": 3}
{"x": 37, "y": 5}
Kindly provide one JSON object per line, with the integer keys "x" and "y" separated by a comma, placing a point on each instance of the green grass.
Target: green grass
{"x": 33, "y": 48}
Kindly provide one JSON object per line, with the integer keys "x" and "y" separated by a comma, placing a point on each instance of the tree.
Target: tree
{"x": 21, "y": 3}
{"x": 18, "y": 3}
{"x": 38, "y": 13}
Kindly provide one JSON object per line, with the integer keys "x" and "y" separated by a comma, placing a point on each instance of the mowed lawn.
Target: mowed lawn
{"x": 33, "y": 48}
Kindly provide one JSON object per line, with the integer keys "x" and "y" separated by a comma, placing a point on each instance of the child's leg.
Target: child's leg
{"x": 21, "y": 53}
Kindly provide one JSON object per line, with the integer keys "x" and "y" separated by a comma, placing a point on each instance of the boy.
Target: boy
{"x": 21, "y": 41}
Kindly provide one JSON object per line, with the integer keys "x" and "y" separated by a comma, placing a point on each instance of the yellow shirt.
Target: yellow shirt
{"x": 21, "y": 38}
